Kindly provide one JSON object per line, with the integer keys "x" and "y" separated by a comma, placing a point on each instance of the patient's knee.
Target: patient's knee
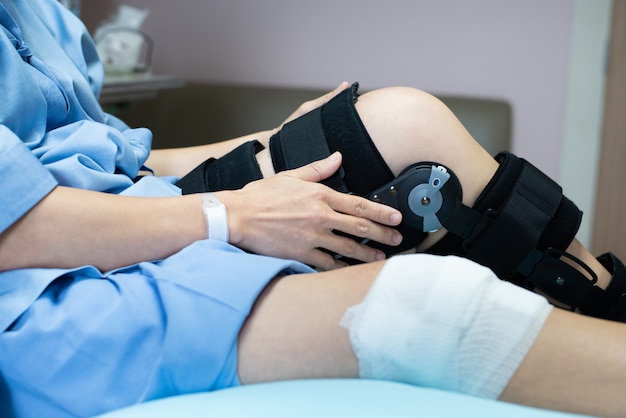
{"x": 444, "y": 322}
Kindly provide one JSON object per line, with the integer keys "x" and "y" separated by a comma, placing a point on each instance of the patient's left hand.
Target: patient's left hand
{"x": 291, "y": 215}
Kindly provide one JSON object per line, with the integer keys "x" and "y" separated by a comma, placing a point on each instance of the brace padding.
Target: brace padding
{"x": 336, "y": 126}
{"x": 521, "y": 209}
{"x": 230, "y": 172}
{"x": 365, "y": 168}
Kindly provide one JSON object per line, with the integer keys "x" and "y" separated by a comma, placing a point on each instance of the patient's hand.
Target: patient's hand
{"x": 291, "y": 215}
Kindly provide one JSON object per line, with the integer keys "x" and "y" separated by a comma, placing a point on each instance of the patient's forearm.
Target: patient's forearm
{"x": 72, "y": 227}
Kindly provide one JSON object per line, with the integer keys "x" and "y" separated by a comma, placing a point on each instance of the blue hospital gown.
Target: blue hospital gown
{"x": 81, "y": 342}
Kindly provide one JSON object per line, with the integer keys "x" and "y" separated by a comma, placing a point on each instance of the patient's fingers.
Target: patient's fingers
{"x": 307, "y": 106}
{"x": 291, "y": 215}
{"x": 345, "y": 203}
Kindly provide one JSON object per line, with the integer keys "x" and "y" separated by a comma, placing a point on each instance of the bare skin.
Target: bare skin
{"x": 56, "y": 232}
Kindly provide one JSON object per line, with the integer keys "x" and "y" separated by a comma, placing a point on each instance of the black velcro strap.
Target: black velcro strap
{"x": 365, "y": 168}
{"x": 195, "y": 180}
{"x": 563, "y": 228}
{"x": 301, "y": 142}
{"x": 230, "y": 172}
{"x": 503, "y": 239}
{"x": 336, "y": 126}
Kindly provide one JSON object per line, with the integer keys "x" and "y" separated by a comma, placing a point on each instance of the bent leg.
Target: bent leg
{"x": 574, "y": 364}
{"x": 408, "y": 125}
{"x": 403, "y": 126}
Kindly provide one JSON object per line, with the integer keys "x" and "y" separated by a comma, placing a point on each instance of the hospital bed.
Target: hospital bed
{"x": 331, "y": 398}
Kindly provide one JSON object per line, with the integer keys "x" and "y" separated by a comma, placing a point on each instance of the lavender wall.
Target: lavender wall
{"x": 505, "y": 49}
{"x": 544, "y": 57}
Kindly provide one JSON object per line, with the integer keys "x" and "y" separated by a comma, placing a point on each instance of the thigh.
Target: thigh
{"x": 294, "y": 329}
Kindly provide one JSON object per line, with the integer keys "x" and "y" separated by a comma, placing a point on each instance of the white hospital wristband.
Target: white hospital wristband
{"x": 216, "y": 218}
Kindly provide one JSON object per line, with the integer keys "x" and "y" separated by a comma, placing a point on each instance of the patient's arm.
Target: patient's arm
{"x": 71, "y": 227}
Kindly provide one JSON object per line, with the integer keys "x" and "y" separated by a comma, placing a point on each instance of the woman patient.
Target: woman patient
{"x": 268, "y": 258}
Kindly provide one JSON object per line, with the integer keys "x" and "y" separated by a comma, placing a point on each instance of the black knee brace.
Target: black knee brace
{"x": 233, "y": 171}
{"x": 335, "y": 126}
{"x": 520, "y": 227}
{"x": 520, "y": 207}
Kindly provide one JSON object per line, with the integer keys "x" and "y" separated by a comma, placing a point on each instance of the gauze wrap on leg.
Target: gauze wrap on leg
{"x": 444, "y": 322}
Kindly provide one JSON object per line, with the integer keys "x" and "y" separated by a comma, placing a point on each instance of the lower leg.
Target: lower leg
{"x": 576, "y": 365}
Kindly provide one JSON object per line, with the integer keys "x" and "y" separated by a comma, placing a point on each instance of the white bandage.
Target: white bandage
{"x": 446, "y": 323}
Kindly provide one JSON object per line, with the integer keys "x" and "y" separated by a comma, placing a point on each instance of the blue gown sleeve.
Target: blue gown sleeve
{"x": 24, "y": 180}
